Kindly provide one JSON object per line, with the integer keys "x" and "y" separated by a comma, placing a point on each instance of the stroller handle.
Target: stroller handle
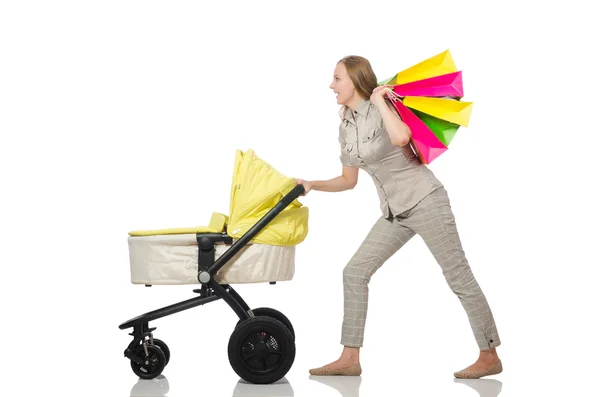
{"x": 256, "y": 228}
{"x": 295, "y": 192}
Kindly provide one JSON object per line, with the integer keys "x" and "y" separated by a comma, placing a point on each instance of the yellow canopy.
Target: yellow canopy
{"x": 256, "y": 188}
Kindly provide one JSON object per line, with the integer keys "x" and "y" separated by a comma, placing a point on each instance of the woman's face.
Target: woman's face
{"x": 342, "y": 85}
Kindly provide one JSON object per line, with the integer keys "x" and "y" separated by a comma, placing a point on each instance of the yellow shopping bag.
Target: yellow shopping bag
{"x": 435, "y": 66}
{"x": 456, "y": 112}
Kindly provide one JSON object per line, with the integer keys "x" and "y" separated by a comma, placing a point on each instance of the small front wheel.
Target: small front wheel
{"x": 153, "y": 363}
{"x": 165, "y": 349}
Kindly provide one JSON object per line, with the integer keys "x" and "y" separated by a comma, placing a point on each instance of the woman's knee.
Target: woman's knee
{"x": 353, "y": 271}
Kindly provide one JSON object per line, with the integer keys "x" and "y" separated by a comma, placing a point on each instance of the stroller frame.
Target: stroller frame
{"x": 266, "y": 333}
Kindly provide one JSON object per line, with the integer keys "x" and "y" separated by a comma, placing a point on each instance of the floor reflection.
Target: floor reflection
{"x": 281, "y": 388}
{"x": 347, "y": 386}
{"x": 485, "y": 387}
{"x": 159, "y": 387}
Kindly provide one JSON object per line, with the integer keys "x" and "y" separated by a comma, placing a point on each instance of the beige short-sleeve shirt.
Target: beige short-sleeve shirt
{"x": 399, "y": 176}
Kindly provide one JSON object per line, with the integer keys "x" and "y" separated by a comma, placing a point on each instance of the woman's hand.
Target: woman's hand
{"x": 379, "y": 93}
{"x": 307, "y": 186}
{"x": 399, "y": 132}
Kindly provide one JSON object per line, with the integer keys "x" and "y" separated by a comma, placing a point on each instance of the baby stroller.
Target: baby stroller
{"x": 254, "y": 244}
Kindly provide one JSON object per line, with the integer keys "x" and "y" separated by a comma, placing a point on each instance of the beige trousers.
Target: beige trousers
{"x": 433, "y": 220}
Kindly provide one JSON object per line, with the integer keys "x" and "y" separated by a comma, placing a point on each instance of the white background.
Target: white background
{"x": 123, "y": 115}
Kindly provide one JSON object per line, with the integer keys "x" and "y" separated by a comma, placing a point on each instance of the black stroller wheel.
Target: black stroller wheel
{"x": 165, "y": 349}
{"x": 261, "y": 350}
{"x": 153, "y": 364}
{"x": 276, "y": 314}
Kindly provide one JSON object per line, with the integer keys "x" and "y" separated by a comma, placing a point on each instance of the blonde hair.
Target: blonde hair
{"x": 362, "y": 76}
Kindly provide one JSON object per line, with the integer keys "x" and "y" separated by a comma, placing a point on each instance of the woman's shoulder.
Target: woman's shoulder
{"x": 344, "y": 114}
{"x": 373, "y": 111}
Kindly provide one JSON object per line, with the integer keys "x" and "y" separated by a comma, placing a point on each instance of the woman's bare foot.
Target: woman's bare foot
{"x": 487, "y": 363}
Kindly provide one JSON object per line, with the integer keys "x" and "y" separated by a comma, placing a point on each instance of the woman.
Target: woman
{"x": 413, "y": 201}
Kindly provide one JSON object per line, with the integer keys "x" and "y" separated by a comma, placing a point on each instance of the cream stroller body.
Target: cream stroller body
{"x": 254, "y": 244}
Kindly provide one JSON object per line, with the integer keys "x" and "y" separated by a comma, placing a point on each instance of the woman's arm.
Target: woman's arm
{"x": 346, "y": 181}
{"x": 398, "y": 131}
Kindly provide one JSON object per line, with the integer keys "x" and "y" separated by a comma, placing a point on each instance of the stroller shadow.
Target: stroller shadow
{"x": 347, "y": 386}
{"x": 159, "y": 387}
{"x": 485, "y": 387}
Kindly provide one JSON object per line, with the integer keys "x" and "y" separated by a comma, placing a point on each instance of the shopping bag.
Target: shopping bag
{"x": 451, "y": 110}
{"x": 428, "y": 98}
{"x": 425, "y": 142}
{"x": 443, "y": 130}
{"x": 446, "y": 85}
{"x": 435, "y": 66}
